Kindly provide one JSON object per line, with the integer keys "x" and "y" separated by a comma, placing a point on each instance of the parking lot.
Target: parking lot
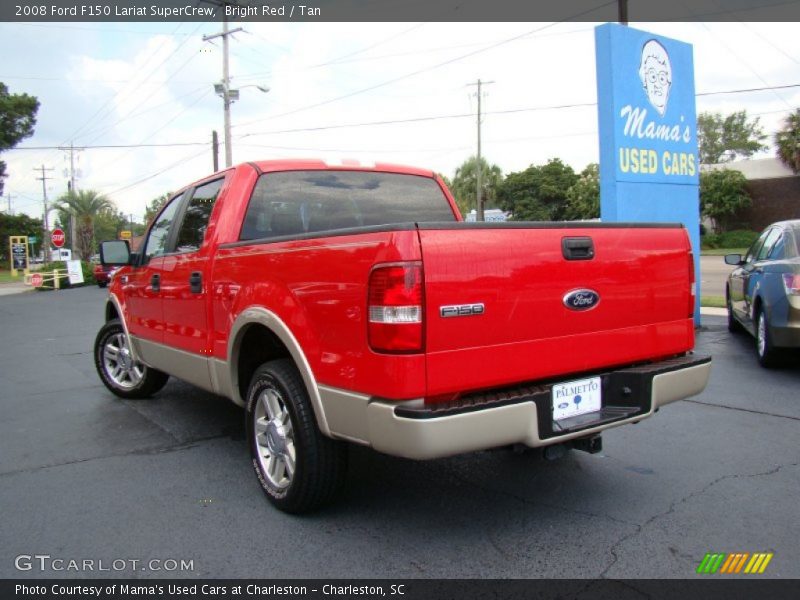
{"x": 85, "y": 475}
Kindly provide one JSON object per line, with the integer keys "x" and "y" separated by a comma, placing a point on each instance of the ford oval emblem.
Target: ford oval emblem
{"x": 581, "y": 299}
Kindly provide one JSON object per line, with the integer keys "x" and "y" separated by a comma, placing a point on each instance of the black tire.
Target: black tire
{"x": 768, "y": 354}
{"x": 123, "y": 376}
{"x": 102, "y": 284}
{"x": 283, "y": 434}
{"x": 733, "y": 325}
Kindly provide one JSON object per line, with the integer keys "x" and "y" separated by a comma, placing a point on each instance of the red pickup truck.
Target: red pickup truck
{"x": 349, "y": 303}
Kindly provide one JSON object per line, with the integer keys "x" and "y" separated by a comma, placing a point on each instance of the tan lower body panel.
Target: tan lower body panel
{"x": 374, "y": 422}
{"x": 190, "y": 367}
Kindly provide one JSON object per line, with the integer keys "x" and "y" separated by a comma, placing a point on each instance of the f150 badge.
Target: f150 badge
{"x": 461, "y": 310}
{"x": 581, "y": 299}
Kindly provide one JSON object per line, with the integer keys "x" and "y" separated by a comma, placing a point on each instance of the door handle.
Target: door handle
{"x": 196, "y": 282}
{"x": 577, "y": 248}
{"x": 155, "y": 282}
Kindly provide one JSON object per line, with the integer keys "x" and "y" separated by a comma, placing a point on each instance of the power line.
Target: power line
{"x": 492, "y": 112}
{"x": 169, "y": 121}
{"x": 104, "y": 106}
{"x": 337, "y": 62}
{"x": 745, "y": 63}
{"x": 426, "y": 69}
{"x": 157, "y": 173}
{"x": 114, "y": 146}
{"x": 389, "y": 122}
{"x": 758, "y": 89}
{"x": 102, "y": 30}
{"x": 150, "y": 95}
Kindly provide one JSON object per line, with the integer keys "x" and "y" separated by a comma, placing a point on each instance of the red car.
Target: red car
{"x": 350, "y": 304}
{"x": 102, "y": 274}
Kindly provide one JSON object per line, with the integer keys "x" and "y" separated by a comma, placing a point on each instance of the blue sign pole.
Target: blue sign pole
{"x": 649, "y": 167}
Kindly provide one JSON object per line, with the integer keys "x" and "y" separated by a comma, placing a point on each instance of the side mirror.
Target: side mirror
{"x": 733, "y": 259}
{"x": 115, "y": 253}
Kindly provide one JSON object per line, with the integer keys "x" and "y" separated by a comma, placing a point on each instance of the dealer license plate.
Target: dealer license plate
{"x": 576, "y": 398}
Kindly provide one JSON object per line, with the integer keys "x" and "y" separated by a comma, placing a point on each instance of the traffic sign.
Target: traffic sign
{"x": 125, "y": 235}
{"x": 58, "y": 237}
{"x": 37, "y": 280}
{"x": 32, "y": 239}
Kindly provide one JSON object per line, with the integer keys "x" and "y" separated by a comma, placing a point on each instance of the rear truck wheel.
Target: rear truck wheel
{"x": 298, "y": 467}
{"x": 121, "y": 374}
{"x": 768, "y": 355}
{"x": 733, "y": 324}
{"x": 102, "y": 284}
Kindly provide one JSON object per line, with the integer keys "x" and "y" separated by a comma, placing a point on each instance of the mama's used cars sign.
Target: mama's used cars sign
{"x": 647, "y": 105}
{"x": 649, "y": 169}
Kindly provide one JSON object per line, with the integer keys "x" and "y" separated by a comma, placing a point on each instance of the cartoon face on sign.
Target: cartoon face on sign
{"x": 655, "y": 71}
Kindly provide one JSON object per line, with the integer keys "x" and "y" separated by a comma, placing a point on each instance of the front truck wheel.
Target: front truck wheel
{"x": 298, "y": 467}
{"x": 121, "y": 374}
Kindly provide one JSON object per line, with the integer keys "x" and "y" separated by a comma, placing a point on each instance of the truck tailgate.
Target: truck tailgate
{"x": 495, "y": 300}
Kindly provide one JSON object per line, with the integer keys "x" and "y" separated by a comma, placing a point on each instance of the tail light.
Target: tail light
{"x": 791, "y": 284}
{"x": 395, "y": 302}
{"x": 692, "y": 286}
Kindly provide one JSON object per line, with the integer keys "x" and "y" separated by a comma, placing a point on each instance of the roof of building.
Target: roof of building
{"x": 760, "y": 168}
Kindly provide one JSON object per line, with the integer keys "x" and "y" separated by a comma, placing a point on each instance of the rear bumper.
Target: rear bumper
{"x": 523, "y": 415}
{"x": 785, "y": 323}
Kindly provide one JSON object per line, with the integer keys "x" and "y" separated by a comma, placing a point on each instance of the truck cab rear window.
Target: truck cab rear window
{"x": 300, "y": 202}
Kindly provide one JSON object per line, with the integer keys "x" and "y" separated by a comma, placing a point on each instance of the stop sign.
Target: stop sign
{"x": 37, "y": 280}
{"x": 58, "y": 237}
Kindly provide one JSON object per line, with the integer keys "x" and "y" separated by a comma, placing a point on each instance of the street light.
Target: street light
{"x": 229, "y": 96}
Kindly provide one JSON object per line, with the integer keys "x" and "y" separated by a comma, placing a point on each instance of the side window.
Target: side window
{"x": 159, "y": 233}
{"x": 768, "y": 243}
{"x": 778, "y": 251}
{"x": 752, "y": 253}
{"x": 195, "y": 220}
{"x": 299, "y": 202}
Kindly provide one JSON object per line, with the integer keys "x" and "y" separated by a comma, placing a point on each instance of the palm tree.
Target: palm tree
{"x": 464, "y": 185}
{"x": 788, "y": 142}
{"x": 84, "y": 205}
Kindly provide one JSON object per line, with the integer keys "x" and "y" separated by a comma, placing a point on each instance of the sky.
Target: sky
{"x": 376, "y": 92}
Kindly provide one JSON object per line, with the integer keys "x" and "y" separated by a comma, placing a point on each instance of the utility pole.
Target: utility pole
{"x": 478, "y": 194}
{"x": 215, "y": 150}
{"x": 224, "y": 89}
{"x": 72, "y": 223}
{"x": 8, "y": 197}
{"x": 45, "y": 227}
{"x": 622, "y": 10}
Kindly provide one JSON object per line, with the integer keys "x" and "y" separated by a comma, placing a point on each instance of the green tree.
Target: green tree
{"x": 84, "y": 205}
{"x": 788, "y": 141}
{"x": 16, "y": 225}
{"x": 17, "y": 120}
{"x": 155, "y": 205}
{"x": 539, "y": 193}
{"x": 465, "y": 184}
{"x": 723, "y": 139}
{"x": 583, "y": 198}
{"x": 108, "y": 223}
{"x": 722, "y": 194}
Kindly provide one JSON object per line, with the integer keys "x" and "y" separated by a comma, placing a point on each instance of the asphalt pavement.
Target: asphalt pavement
{"x": 87, "y": 476}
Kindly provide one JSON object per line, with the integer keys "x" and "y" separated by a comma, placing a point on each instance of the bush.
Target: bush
{"x": 739, "y": 238}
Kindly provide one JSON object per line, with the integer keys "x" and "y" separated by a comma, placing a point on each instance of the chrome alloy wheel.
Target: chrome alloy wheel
{"x": 761, "y": 335}
{"x": 274, "y": 438}
{"x": 119, "y": 364}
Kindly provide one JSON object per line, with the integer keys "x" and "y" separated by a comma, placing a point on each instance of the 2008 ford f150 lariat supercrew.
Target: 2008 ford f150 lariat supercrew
{"x": 350, "y": 304}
